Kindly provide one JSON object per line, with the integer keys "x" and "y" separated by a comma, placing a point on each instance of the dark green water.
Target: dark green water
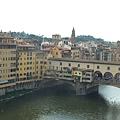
{"x": 54, "y": 104}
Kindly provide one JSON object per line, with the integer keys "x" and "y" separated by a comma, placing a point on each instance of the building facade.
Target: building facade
{"x": 8, "y": 52}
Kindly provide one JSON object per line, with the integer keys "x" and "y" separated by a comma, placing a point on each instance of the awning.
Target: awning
{"x": 4, "y": 81}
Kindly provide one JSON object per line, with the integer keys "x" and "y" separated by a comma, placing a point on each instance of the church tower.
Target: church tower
{"x": 73, "y": 33}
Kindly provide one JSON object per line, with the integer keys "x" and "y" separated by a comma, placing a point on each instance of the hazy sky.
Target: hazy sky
{"x": 100, "y": 18}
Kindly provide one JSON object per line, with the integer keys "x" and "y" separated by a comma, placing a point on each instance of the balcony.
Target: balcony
{"x": 67, "y": 74}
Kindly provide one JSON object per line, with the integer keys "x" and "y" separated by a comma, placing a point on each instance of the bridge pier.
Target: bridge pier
{"x": 86, "y": 88}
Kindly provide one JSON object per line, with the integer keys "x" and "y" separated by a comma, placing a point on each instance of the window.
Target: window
{"x": 40, "y": 72}
{"x": 41, "y": 62}
{"x": 0, "y": 65}
{"x": 69, "y": 64}
{"x": 88, "y": 66}
{"x": 119, "y": 69}
{"x": 49, "y": 62}
{"x": 45, "y": 62}
{"x": 1, "y": 40}
{"x": 60, "y": 63}
{"x": 78, "y": 65}
{"x": 98, "y": 67}
{"x": 56, "y": 53}
{"x": 108, "y": 68}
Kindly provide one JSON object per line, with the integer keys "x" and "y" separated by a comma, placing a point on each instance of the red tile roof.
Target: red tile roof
{"x": 71, "y": 39}
{"x": 25, "y": 45}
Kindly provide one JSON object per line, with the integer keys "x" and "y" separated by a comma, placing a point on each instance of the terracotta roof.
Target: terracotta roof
{"x": 6, "y": 37}
{"x": 19, "y": 40}
{"x": 26, "y": 45}
{"x": 8, "y": 44}
{"x": 46, "y": 49}
{"x": 71, "y": 39}
{"x": 49, "y": 45}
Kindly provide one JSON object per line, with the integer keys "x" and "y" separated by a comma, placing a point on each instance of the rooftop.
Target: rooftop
{"x": 84, "y": 61}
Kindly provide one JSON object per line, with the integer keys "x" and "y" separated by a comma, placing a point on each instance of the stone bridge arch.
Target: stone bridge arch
{"x": 52, "y": 82}
{"x": 117, "y": 77}
{"x": 97, "y": 75}
{"x": 108, "y": 76}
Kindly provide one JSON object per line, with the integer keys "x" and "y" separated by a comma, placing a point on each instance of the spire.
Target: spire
{"x": 73, "y": 29}
{"x": 73, "y": 33}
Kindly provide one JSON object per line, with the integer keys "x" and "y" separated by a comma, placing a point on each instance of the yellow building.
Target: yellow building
{"x": 26, "y": 62}
{"x": 77, "y": 75}
{"x": 7, "y": 60}
{"x": 56, "y": 52}
{"x": 59, "y": 52}
{"x": 41, "y": 64}
{"x": 83, "y": 75}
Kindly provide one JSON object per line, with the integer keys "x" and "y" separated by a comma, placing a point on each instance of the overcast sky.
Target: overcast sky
{"x": 99, "y": 18}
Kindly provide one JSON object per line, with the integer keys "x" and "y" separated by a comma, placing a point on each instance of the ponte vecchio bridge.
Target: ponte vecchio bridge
{"x": 93, "y": 73}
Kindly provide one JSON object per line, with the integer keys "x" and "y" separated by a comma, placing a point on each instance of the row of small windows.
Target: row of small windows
{"x": 28, "y": 58}
{"x": 28, "y": 53}
{"x": 8, "y": 70}
{"x": 27, "y": 63}
{"x": 4, "y": 76}
{"x": 30, "y": 68}
{"x": 88, "y": 66}
{"x": 9, "y": 58}
{"x": 8, "y": 47}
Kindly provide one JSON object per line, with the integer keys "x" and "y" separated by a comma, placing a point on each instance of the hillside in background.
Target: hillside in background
{"x": 87, "y": 38}
{"x": 81, "y": 38}
{"x": 26, "y": 35}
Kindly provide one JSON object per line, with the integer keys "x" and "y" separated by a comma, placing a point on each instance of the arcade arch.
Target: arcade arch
{"x": 108, "y": 76}
{"x": 97, "y": 75}
{"x": 117, "y": 77}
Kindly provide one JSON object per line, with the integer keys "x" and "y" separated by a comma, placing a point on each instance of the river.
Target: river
{"x": 55, "y": 104}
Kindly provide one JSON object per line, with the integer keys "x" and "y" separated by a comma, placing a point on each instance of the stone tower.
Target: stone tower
{"x": 73, "y": 33}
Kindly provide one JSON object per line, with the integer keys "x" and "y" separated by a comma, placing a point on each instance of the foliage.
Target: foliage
{"x": 26, "y": 35}
{"x": 87, "y": 38}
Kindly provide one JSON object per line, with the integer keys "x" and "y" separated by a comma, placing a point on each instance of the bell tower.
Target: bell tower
{"x": 73, "y": 33}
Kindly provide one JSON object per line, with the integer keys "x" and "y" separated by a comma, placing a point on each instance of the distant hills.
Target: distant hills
{"x": 87, "y": 38}
{"x": 26, "y": 35}
{"x": 82, "y": 38}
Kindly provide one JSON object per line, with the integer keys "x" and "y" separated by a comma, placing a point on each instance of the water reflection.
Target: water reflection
{"x": 52, "y": 104}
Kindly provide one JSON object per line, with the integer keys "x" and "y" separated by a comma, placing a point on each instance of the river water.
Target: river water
{"x": 55, "y": 104}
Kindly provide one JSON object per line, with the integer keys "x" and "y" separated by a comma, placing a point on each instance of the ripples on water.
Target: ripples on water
{"x": 55, "y": 104}
{"x": 112, "y": 96}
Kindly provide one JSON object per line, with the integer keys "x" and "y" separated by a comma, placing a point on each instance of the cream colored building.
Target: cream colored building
{"x": 75, "y": 52}
{"x": 100, "y": 67}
